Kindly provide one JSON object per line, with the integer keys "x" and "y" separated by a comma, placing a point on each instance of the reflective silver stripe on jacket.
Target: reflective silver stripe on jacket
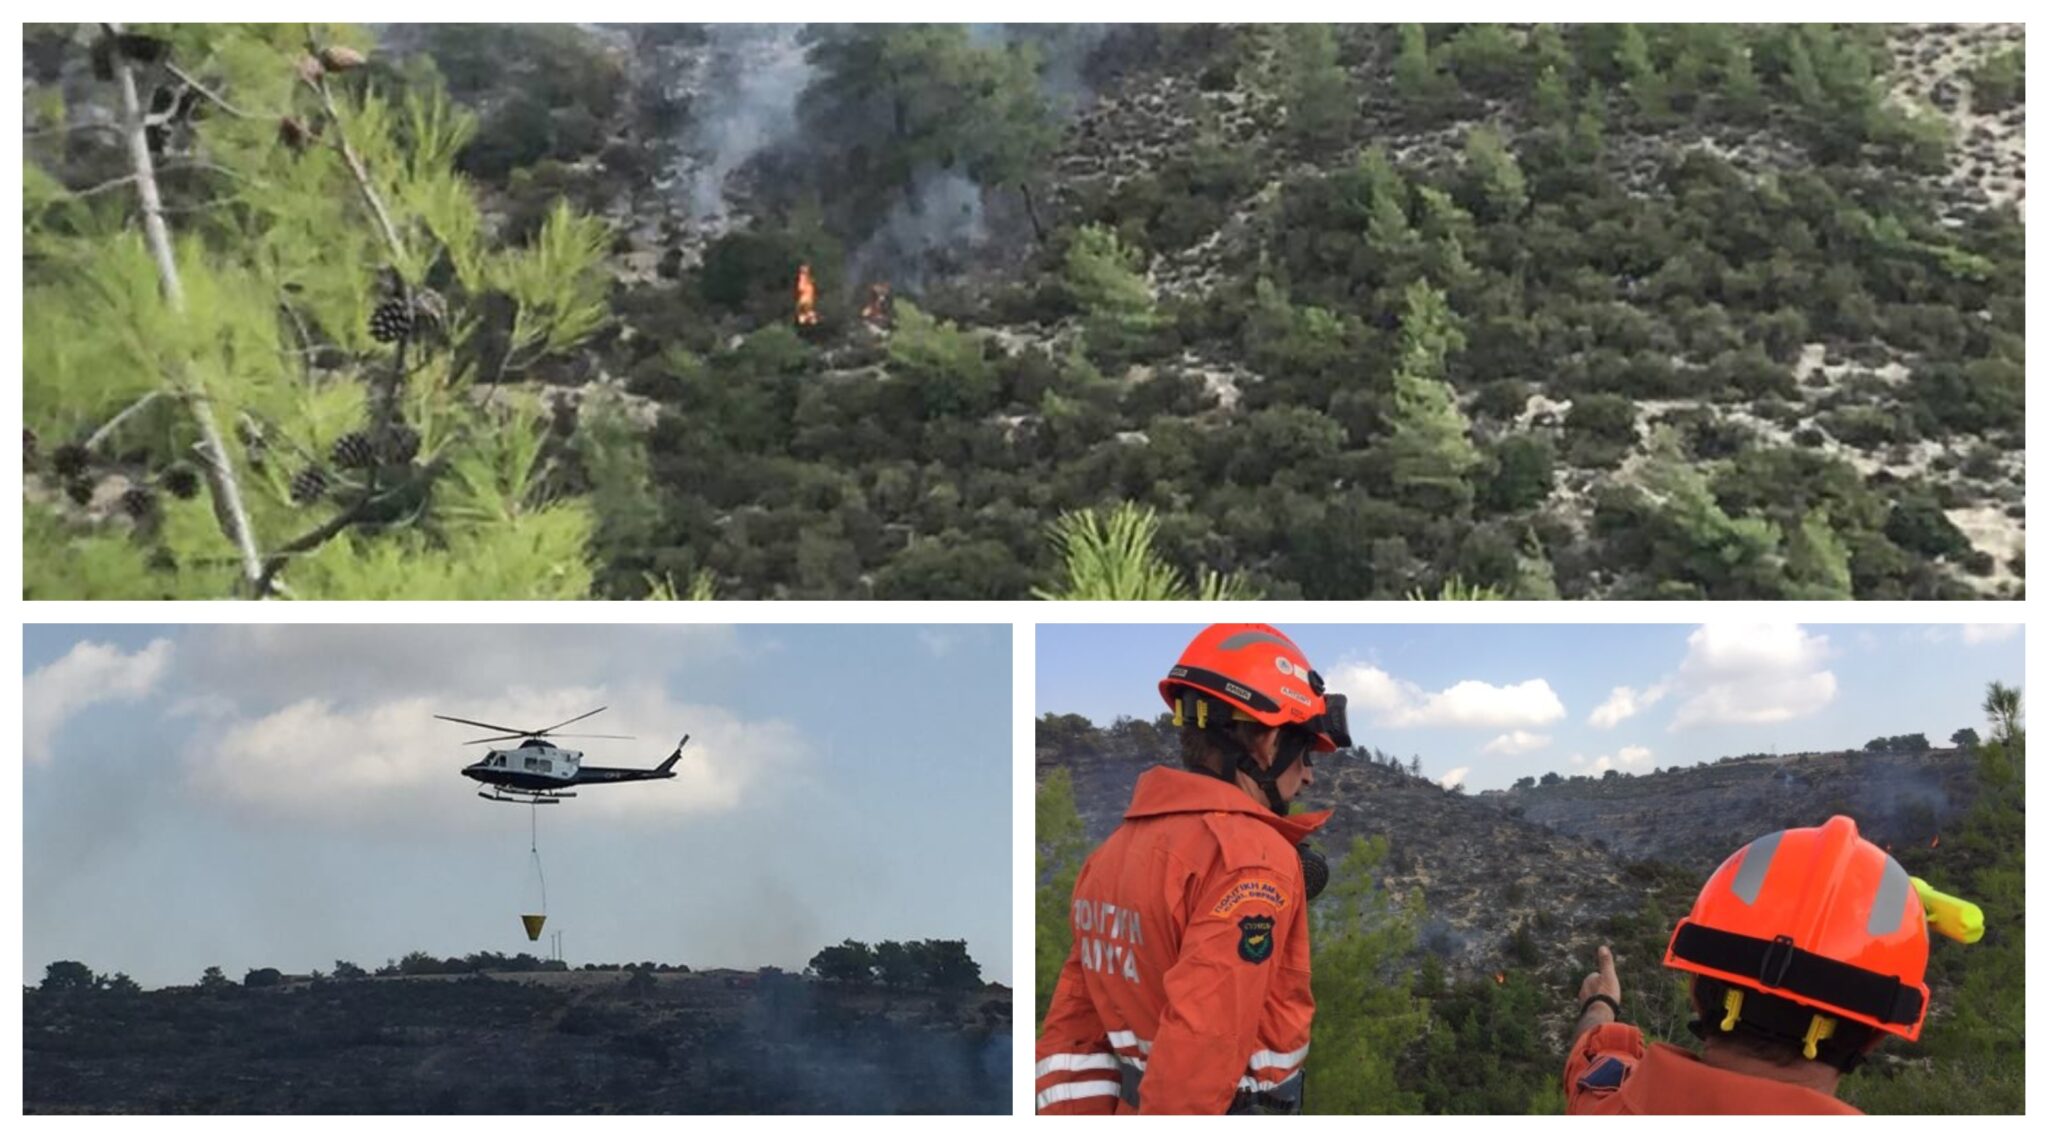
{"x": 1065, "y": 1092}
{"x": 1076, "y": 1061}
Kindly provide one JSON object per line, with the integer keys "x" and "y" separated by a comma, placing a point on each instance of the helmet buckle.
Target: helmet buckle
{"x": 1821, "y": 1027}
{"x": 1732, "y": 1002}
{"x": 1777, "y": 961}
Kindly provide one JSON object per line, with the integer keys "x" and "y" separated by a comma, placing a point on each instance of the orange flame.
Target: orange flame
{"x": 806, "y": 297}
{"x": 1500, "y": 977}
{"x": 876, "y": 310}
{"x": 1936, "y": 843}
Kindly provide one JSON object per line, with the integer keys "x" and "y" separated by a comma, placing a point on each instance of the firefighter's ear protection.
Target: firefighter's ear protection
{"x": 1315, "y": 869}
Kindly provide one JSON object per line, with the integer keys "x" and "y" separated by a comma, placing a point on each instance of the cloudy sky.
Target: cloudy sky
{"x": 250, "y": 796}
{"x": 1487, "y": 704}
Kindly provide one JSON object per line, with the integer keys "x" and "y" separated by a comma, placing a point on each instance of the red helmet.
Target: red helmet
{"x": 1818, "y": 916}
{"x": 1260, "y": 674}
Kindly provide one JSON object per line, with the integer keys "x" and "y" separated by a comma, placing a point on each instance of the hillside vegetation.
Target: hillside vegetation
{"x": 1302, "y": 311}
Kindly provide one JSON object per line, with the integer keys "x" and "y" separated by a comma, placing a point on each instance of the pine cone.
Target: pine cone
{"x": 391, "y": 321}
{"x": 80, "y": 490}
{"x": 139, "y": 502}
{"x": 338, "y": 58}
{"x": 181, "y": 481}
{"x": 353, "y": 451}
{"x": 70, "y": 460}
{"x": 293, "y": 133}
{"x": 309, "y": 68}
{"x": 401, "y": 444}
{"x": 309, "y": 485}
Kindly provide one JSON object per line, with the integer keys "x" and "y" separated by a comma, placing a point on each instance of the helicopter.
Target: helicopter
{"x": 538, "y": 772}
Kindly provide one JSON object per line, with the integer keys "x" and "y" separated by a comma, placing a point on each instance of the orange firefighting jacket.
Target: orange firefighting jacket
{"x": 1189, "y": 975}
{"x": 1610, "y": 1071}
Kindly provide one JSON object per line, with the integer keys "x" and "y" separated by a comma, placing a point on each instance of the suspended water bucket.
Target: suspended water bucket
{"x": 533, "y": 922}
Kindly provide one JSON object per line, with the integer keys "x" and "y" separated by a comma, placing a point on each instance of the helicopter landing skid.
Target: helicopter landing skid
{"x": 537, "y": 799}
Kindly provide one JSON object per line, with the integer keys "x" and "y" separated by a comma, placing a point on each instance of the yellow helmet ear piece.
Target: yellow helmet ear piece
{"x": 1822, "y": 1027}
{"x": 1733, "y": 1003}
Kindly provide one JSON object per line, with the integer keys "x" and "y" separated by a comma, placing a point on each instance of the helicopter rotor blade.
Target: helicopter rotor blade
{"x": 573, "y": 735}
{"x": 493, "y": 739}
{"x": 490, "y": 726}
{"x": 563, "y": 723}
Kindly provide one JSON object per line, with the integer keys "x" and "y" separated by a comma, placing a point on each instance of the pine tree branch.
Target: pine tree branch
{"x": 203, "y": 90}
{"x": 113, "y": 424}
{"x": 70, "y": 128}
{"x": 331, "y": 528}
{"x": 103, "y": 187}
{"x": 354, "y": 162}
{"x": 225, "y": 491}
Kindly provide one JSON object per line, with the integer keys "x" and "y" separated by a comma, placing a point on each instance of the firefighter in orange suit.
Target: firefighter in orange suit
{"x": 1187, "y": 990}
{"x": 1807, "y": 948}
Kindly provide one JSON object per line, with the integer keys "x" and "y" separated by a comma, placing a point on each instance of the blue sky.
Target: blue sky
{"x": 1486, "y": 704}
{"x": 248, "y": 795}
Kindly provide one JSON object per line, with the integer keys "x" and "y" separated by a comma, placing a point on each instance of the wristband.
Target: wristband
{"x": 1601, "y": 998}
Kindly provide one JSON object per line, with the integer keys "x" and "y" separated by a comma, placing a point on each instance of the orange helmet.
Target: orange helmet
{"x": 1817, "y": 916}
{"x": 1260, "y": 674}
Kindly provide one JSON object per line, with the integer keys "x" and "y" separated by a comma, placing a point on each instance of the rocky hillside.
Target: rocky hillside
{"x": 1511, "y": 879}
{"x": 1697, "y": 814}
{"x": 713, "y": 1042}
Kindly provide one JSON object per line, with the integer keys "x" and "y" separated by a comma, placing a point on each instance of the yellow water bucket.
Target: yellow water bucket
{"x": 533, "y": 922}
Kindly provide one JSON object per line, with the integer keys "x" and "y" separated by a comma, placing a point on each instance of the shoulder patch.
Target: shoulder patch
{"x": 1247, "y": 892}
{"x": 1605, "y": 1077}
{"x": 1255, "y": 939}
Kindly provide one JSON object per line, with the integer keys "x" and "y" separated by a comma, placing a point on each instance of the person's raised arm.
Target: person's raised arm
{"x": 1599, "y": 996}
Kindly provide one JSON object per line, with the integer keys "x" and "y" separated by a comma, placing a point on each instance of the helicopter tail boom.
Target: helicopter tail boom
{"x": 668, "y": 764}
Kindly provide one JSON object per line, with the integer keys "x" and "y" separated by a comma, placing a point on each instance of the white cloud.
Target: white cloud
{"x": 265, "y": 666}
{"x": 1626, "y": 759}
{"x": 89, "y": 674}
{"x": 1453, "y": 777}
{"x": 1468, "y": 703}
{"x": 1515, "y": 743}
{"x": 1989, "y": 633}
{"x": 1625, "y": 703}
{"x": 314, "y": 761}
{"x": 1752, "y": 674}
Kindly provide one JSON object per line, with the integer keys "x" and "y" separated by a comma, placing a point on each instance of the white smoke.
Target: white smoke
{"x": 746, "y": 104}
{"x": 941, "y": 215}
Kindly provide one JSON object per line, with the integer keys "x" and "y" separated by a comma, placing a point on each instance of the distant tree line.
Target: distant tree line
{"x": 1898, "y": 744}
{"x": 942, "y": 964}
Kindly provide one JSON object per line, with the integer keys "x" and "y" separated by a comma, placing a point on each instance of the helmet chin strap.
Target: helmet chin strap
{"x": 1292, "y": 746}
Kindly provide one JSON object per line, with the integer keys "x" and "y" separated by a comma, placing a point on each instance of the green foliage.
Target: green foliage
{"x": 1282, "y": 423}
{"x": 1365, "y": 1013}
{"x": 893, "y": 102}
{"x": 68, "y": 976}
{"x": 262, "y": 327}
{"x": 1432, "y": 455}
{"x": 1112, "y": 559}
{"x": 1316, "y": 89}
{"x": 1498, "y": 190}
{"x": 1062, "y": 845}
{"x": 1106, "y": 279}
{"x": 2000, "y": 81}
